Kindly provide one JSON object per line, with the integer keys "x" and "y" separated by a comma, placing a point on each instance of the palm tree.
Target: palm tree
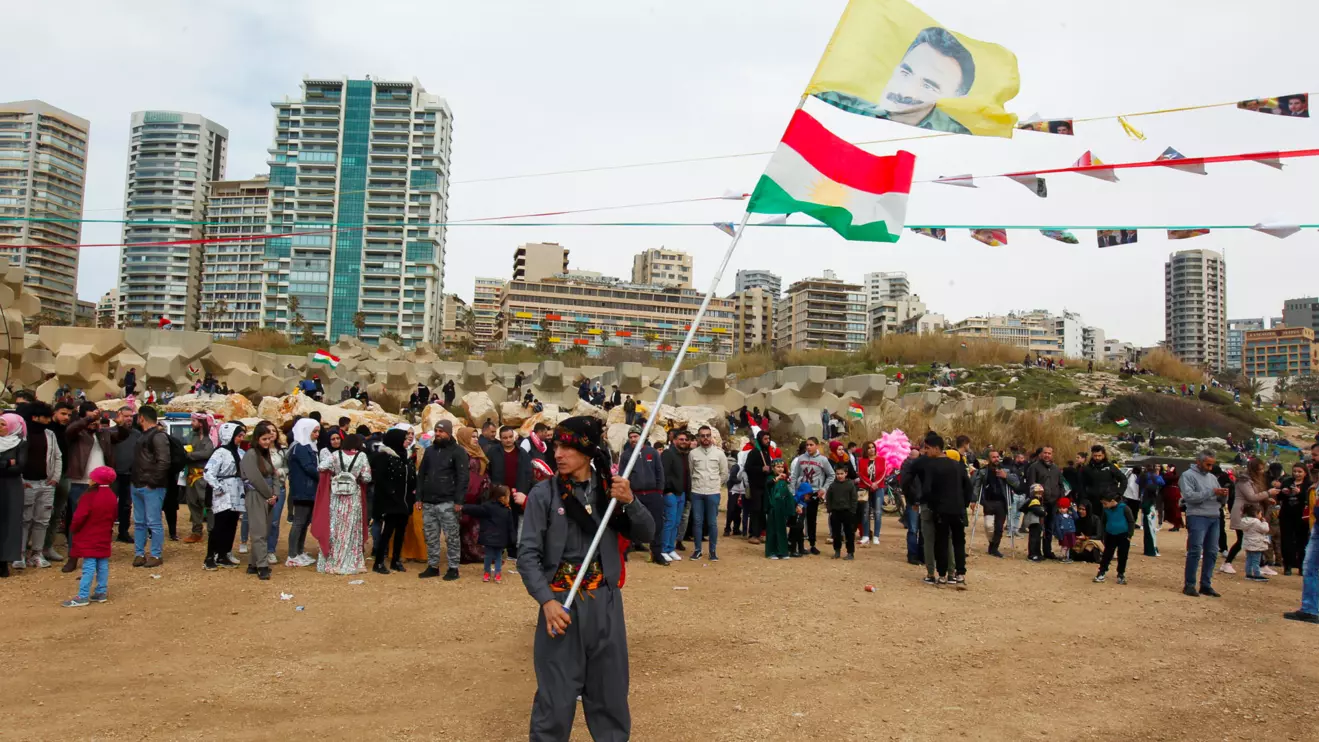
{"x": 359, "y": 322}
{"x": 295, "y": 317}
{"x": 467, "y": 319}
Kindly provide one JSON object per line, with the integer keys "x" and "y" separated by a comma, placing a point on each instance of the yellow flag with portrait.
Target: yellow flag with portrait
{"x": 889, "y": 60}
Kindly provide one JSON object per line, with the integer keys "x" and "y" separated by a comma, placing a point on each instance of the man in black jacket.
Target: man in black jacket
{"x": 677, "y": 485}
{"x": 1044, "y": 472}
{"x": 945, "y": 491}
{"x": 1100, "y": 480}
{"x": 150, "y": 479}
{"x": 647, "y": 480}
{"x": 994, "y": 487}
{"x": 442, "y": 484}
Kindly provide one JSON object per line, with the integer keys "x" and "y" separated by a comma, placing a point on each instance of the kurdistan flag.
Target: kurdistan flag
{"x": 323, "y": 356}
{"x": 859, "y": 195}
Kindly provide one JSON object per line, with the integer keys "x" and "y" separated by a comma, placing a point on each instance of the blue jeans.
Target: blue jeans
{"x": 1014, "y": 512}
{"x": 272, "y": 539}
{"x": 876, "y": 512}
{"x": 1253, "y": 560}
{"x": 705, "y": 511}
{"x": 147, "y": 505}
{"x": 1310, "y": 580}
{"x": 494, "y": 557}
{"x": 94, "y": 567}
{"x": 1201, "y": 538}
{"x": 75, "y": 494}
{"x": 911, "y": 519}
{"x": 673, "y": 505}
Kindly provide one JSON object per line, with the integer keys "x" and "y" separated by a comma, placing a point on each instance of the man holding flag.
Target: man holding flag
{"x": 582, "y": 650}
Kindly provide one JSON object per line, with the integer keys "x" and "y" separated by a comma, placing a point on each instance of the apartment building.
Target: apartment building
{"x": 1195, "y": 307}
{"x": 107, "y": 309}
{"x": 43, "y": 172}
{"x": 231, "y": 291}
{"x": 537, "y": 261}
{"x": 662, "y": 267}
{"x": 1285, "y": 351}
{"x": 1236, "y": 338}
{"x": 824, "y": 313}
{"x": 1033, "y": 334}
{"x": 759, "y": 279}
{"x": 173, "y": 159}
{"x": 598, "y": 313}
{"x": 359, "y": 192}
{"x": 488, "y": 295}
{"x": 753, "y": 327}
{"x": 887, "y": 316}
{"x": 457, "y": 328}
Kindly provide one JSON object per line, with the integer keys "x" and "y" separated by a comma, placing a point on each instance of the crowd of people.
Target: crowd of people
{"x": 455, "y": 495}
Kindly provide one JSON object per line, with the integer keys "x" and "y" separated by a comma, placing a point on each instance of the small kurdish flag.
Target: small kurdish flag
{"x": 323, "y": 356}
{"x": 164, "y": 323}
{"x": 855, "y": 411}
{"x": 1122, "y": 423}
{"x": 859, "y": 195}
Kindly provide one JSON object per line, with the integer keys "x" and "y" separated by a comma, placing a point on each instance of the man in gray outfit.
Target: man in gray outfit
{"x": 581, "y": 651}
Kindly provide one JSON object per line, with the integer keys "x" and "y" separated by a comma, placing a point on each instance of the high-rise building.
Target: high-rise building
{"x": 85, "y": 314}
{"x": 753, "y": 327}
{"x": 107, "y": 309}
{"x": 1276, "y": 322}
{"x": 823, "y": 313}
{"x": 43, "y": 170}
{"x": 892, "y": 286}
{"x": 1286, "y": 351}
{"x": 1299, "y": 313}
{"x": 1195, "y": 307}
{"x": 598, "y": 313}
{"x": 486, "y": 298}
{"x": 537, "y": 261}
{"x": 758, "y": 279}
{"x": 231, "y": 294}
{"x": 173, "y": 158}
{"x": 373, "y": 153}
{"x": 1236, "y": 339}
{"x": 660, "y": 267}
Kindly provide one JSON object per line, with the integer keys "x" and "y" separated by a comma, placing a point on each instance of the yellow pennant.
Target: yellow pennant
{"x": 1131, "y": 131}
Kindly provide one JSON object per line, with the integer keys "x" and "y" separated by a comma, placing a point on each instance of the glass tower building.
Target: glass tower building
{"x": 359, "y": 183}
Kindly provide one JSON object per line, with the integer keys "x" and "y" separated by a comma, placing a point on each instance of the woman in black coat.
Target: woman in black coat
{"x": 13, "y": 457}
{"x": 395, "y": 481}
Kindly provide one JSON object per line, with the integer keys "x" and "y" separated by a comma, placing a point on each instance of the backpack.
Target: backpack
{"x": 344, "y": 483}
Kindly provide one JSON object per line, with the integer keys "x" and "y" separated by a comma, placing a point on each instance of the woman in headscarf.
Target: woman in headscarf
{"x": 228, "y": 500}
{"x": 414, "y": 542}
{"x": 304, "y": 480}
{"x": 259, "y": 473}
{"x": 345, "y": 529}
{"x": 205, "y": 437}
{"x": 478, "y": 484}
{"x": 328, "y": 444}
{"x": 13, "y": 457}
{"x": 395, "y": 480}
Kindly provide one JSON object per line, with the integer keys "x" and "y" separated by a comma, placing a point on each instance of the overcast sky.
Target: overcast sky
{"x": 538, "y": 87}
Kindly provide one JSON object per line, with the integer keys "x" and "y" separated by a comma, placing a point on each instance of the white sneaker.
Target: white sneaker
{"x": 242, "y": 548}
{"x": 865, "y": 540}
{"x": 674, "y": 556}
{"x": 292, "y": 562}
{"x": 1268, "y": 572}
{"x": 1227, "y": 569}
{"x": 306, "y": 559}
{"x": 20, "y": 564}
{"x": 41, "y": 562}
{"x": 271, "y": 560}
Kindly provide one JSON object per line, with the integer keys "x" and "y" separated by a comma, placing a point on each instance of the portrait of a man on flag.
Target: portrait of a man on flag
{"x": 889, "y": 60}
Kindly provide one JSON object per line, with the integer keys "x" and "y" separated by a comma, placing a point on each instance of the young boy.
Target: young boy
{"x": 1119, "y": 523}
{"x": 498, "y": 530}
{"x": 1033, "y": 519}
{"x": 781, "y": 511}
{"x": 797, "y": 524}
{"x": 1064, "y": 528}
{"x": 841, "y": 499}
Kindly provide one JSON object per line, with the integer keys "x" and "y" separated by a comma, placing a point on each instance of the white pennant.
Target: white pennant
{"x": 965, "y": 181}
{"x": 1272, "y": 162}
{"x": 1035, "y": 183}
{"x": 727, "y": 228}
{"x": 775, "y": 221}
{"x": 1276, "y": 229}
{"x": 731, "y": 195}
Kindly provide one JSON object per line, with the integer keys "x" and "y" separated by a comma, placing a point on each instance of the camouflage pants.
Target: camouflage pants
{"x": 434, "y": 517}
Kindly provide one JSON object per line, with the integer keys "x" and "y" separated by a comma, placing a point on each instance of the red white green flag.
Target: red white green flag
{"x": 859, "y": 195}
{"x": 323, "y": 356}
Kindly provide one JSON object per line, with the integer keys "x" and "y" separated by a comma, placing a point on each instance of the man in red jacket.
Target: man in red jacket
{"x": 90, "y": 531}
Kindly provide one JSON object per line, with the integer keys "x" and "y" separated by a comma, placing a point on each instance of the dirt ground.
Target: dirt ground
{"x": 752, "y": 650}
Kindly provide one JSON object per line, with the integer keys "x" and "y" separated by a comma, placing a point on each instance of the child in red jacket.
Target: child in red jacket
{"x": 92, "y": 527}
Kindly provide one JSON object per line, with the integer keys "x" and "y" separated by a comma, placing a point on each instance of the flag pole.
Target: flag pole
{"x": 650, "y": 422}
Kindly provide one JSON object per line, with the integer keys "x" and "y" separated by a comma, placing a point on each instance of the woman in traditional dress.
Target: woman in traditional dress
{"x": 478, "y": 483}
{"x": 228, "y": 500}
{"x": 344, "y": 526}
{"x": 259, "y": 472}
{"x": 13, "y": 457}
